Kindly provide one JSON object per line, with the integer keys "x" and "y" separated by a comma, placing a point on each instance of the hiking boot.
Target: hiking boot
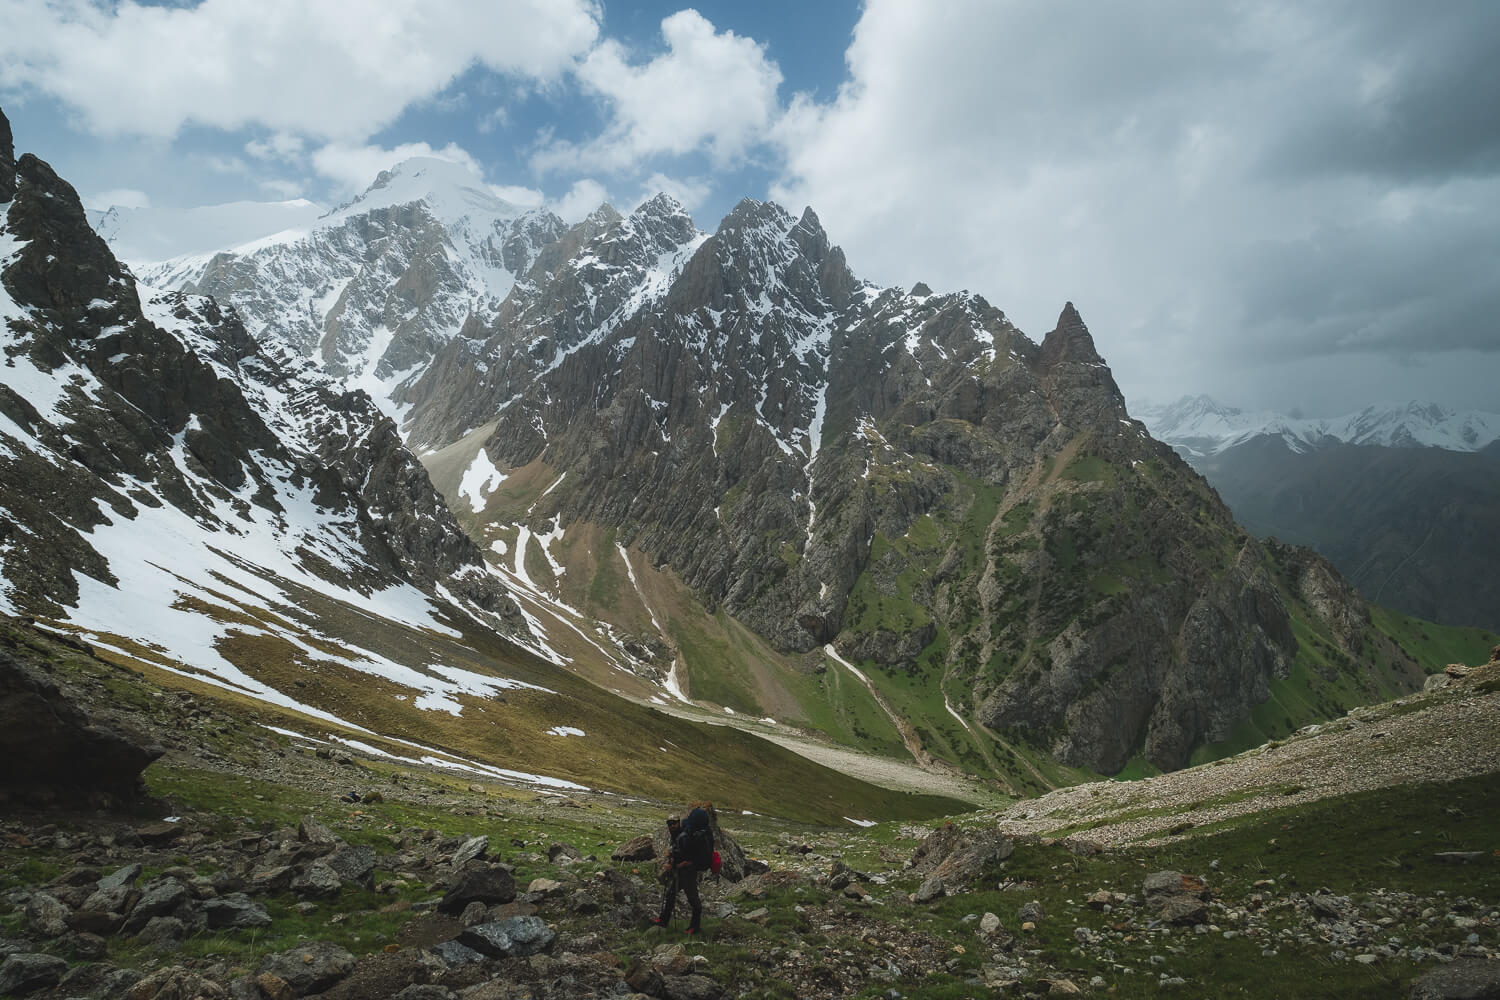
{"x": 659, "y": 922}
{"x": 692, "y": 930}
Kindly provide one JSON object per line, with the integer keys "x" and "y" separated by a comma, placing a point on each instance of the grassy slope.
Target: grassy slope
{"x": 622, "y": 751}
{"x": 1366, "y": 846}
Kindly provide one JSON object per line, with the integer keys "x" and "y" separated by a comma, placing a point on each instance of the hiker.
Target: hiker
{"x": 691, "y": 852}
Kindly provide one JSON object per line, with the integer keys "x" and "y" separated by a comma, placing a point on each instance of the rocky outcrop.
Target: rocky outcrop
{"x": 53, "y": 751}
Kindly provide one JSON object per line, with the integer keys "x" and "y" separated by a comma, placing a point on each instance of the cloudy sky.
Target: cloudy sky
{"x": 1280, "y": 204}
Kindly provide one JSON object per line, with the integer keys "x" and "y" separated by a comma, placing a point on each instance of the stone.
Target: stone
{"x": 485, "y": 885}
{"x": 1183, "y": 910}
{"x": 311, "y": 831}
{"x": 455, "y": 954}
{"x": 353, "y": 864}
{"x": 125, "y": 876}
{"x": 163, "y": 932}
{"x": 1032, "y": 912}
{"x": 472, "y": 849}
{"x": 160, "y": 896}
{"x": 25, "y": 972}
{"x": 509, "y": 938}
{"x": 317, "y": 881}
{"x": 931, "y": 888}
{"x": 235, "y": 910}
{"x": 989, "y": 924}
{"x": 176, "y": 984}
{"x": 1162, "y": 883}
{"x": 563, "y": 854}
{"x": 273, "y": 987}
{"x": 639, "y": 848}
{"x": 1100, "y": 899}
{"x": 46, "y": 915}
{"x": 475, "y": 913}
{"x": 272, "y": 879}
{"x": 85, "y": 946}
{"x": 99, "y": 979}
{"x": 52, "y": 745}
{"x": 310, "y": 968}
{"x": 544, "y": 886}
{"x": 644, "y": 979}
{"x": 1462, "y": 979}
{"x": 159, "y": 834}
{"x": 582, "y": 903}
{"x": 691, "y": 987}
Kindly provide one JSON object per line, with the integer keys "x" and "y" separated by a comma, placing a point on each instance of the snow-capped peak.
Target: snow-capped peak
{"x": 450, "y": 190}
{"x": 1199, "y": 426}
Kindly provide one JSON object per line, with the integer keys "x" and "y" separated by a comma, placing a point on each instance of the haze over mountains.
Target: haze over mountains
{"x": 1198, "y": 426}
{"x": 1404, "y": 499}
{"x": 716, "y": 468}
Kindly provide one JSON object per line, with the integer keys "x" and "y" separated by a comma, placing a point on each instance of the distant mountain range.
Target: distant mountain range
{"x": 1198, "y": 426}
{"x": 1403, "y": 499}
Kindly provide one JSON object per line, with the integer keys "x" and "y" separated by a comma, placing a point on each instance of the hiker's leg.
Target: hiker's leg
{"x": 690, "y": 886}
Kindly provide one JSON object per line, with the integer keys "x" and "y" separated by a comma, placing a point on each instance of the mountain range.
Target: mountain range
{"x": 716, "y": 471}
{"x": 1198, "y": 427}
{"x": 1402, "y": 499}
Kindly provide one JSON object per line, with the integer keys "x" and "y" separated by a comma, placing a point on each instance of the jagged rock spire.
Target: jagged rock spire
{"x": 7, "y": 160}
{"x": 1069, "y": 341}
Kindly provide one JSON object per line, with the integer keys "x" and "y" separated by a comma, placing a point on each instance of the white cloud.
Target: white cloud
{"x": 354, "y": 168}
{"x": 283, "y": 189}
{"x": 525, "y": 197}
{"x": 278, "y": 146}
{"x": 582, "y": 198}
{"x": 1152, "y": 163}
{"x": 120, "y": 197}
{"x": 334, "y": 70}
{"x": 712, "y": 91}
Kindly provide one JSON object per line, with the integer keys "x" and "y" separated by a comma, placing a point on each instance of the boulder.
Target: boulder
{"x": 176, "y": 984}
{"x": 931, "y": 888}
{"x": 116, "y": 899}
{"x": 311, "y": 831}
{"x": 46, "y": 915}
{"x": 640, "y": 848}
{"x": 24, "y": 973}
{"x": 353, "y": 864}
{"x": 455, "y": 954}
{"x": 958, "y": 856}
{"x": 472, "y": 849}
{"x": 53, "y": 748}
{"x": 484, "y": 885}
{"x": 317, "y": 881}
{"x": 161, "y": 896}
{"x": 235, "y": 910}
{"x": 310, "y": 968}
{"x": 515, "y": 936}
{"x": 125, "y": 876}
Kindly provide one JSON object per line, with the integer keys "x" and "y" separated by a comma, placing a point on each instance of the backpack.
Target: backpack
{"x": 698, "y": 840}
